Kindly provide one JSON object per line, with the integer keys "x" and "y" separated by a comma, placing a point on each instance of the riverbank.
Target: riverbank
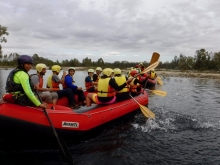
{"x": 196, "y": 74}
{"x": 162, "y": 72}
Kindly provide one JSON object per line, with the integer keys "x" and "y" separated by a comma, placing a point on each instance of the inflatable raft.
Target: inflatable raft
{"x": 31, "y": 122}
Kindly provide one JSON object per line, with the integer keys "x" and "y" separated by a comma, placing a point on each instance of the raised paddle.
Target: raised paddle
{"x": 155, "y": 57}
{"x": 152, "y": 66}
{"x": 61, "y": 142}
{"x": 144, "y": 110}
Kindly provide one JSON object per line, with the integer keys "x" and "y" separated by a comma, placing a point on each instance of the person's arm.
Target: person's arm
{"x": 24, "y": 80}
{"x": 114, "y": 85}
{"x": 68, "y": 81}
{"x": 137, "y": 81}
{"x": 63, "y": 77}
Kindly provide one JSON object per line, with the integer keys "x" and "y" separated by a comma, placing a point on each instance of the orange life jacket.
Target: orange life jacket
{"x": 88, "y": 84}
{"x": 133, "y": 87}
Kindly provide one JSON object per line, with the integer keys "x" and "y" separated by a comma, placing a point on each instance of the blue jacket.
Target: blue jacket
{"x": 69, "y": 82}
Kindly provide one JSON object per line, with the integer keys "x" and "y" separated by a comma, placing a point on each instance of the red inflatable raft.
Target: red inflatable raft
{"x": 31, "y": 122}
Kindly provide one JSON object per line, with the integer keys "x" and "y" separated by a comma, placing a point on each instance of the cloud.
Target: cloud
{"x": 105, "y": 28}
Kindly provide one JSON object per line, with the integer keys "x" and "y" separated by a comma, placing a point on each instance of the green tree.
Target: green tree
{"x": 3, "y": 31}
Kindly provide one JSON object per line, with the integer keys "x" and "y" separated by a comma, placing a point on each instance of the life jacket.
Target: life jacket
{"x": 49, "y": 81}
{"x": 52, "y": 84}
{"x": 11, "y": 86}
{"x": 133, "y": 87}
{"x": 41, "y": 81}
{"x": 88, "y": 84}
{"x": 152, "y": 75}
{"x": 121, "y": 80}
{"x": 104, "y": 89}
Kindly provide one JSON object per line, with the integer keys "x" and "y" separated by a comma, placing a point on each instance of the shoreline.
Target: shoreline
{"x": 162, "y": 72}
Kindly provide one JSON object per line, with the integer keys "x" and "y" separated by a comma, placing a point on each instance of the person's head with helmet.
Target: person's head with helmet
{"x": 117, "y": 72}
{"x": 71, "y": 71}
{"x": 107, "y": 72}
{"x": 133, "y": 72}
{"x": 25, "y": 62}
{"x": 56, "y": 69}
{"x": 141, "y": 66}
{"x": 98, "y": 70}
{"x": 41, "y": 68}
{"x": 90, "y": 72}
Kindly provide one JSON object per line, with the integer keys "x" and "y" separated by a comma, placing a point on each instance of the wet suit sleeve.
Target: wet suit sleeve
{"x": 23, "y": 79}
{"x": 95, "y": 77}
{"x": 68, "y": 81}
{"x": 137, "y": 81}
{"x": 114, "y": 85}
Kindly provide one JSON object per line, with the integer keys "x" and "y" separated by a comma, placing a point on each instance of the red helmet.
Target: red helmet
{"x": 133, "y": 72}
{"x": 137, "y": 66}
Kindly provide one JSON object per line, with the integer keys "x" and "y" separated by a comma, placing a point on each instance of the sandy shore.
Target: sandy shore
{"x": 205, "y": 74}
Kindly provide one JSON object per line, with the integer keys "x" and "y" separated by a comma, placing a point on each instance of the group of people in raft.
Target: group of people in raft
{"x": 103, "y": 87}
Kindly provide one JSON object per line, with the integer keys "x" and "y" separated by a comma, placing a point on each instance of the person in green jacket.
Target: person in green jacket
{"x": 19, "y": 83}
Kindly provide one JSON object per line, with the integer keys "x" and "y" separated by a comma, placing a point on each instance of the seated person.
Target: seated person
{"x": 37, "y": 80}
{"x": 19, "y": 85}
{"x": 69, "y": 83}
{"x": 121, "y": 79}
{"x": 89, "y": 83}
{"x": 106, "y": 89}
{"x": 54, "y": 81}
{"x": 135, "y": 85}
{"x": 97, "y": 75}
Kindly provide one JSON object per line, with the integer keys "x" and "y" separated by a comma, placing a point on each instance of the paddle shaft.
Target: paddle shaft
{"x": 69, "y": 157}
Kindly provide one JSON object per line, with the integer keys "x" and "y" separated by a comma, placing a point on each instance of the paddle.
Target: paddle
{"x": 158, "y": 92}
{"x": 159, "y": 80}
{"x": 61, "y": 142}
{"x": 155, "y": 57}
{"x": 144, "y": 110}
{"x": 152, "y": 66}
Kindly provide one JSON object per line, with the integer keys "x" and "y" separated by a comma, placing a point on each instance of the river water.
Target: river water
{"x": 186, "y": 130}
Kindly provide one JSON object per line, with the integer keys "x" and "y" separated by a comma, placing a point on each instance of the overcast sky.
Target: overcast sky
{"x": 114, "y": 30}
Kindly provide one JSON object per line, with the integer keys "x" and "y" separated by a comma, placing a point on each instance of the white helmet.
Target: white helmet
{"x": 90, "y": 71}
{"x": 71, "y": 68}
{"x": 99, "y": 68}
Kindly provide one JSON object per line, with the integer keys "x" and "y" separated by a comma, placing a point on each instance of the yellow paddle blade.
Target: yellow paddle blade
{"x": 159, "y": 81}
{"x": 147, "y": 112}
{"x": 152, "y": 66}
{"x": 158, "y": 92}
{"x": 155, "y": 57}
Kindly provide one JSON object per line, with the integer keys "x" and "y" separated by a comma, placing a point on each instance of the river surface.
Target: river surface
{"x": 186, "y": 130}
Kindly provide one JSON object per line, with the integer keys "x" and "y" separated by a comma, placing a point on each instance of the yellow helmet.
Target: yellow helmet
{"x": 99, "y": 68}
{"x": 56, "y": 68}
{"x": 40, "y": 66}
{"x": 90, "y": 71}
{"x": 107, "y": 71}
{"x": 117, "y": 71}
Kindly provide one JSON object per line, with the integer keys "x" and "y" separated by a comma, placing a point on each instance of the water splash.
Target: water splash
{"x": 173, "y": 122}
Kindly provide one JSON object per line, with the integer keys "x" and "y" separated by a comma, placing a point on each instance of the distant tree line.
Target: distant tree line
{"x": 202, "y": 60}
